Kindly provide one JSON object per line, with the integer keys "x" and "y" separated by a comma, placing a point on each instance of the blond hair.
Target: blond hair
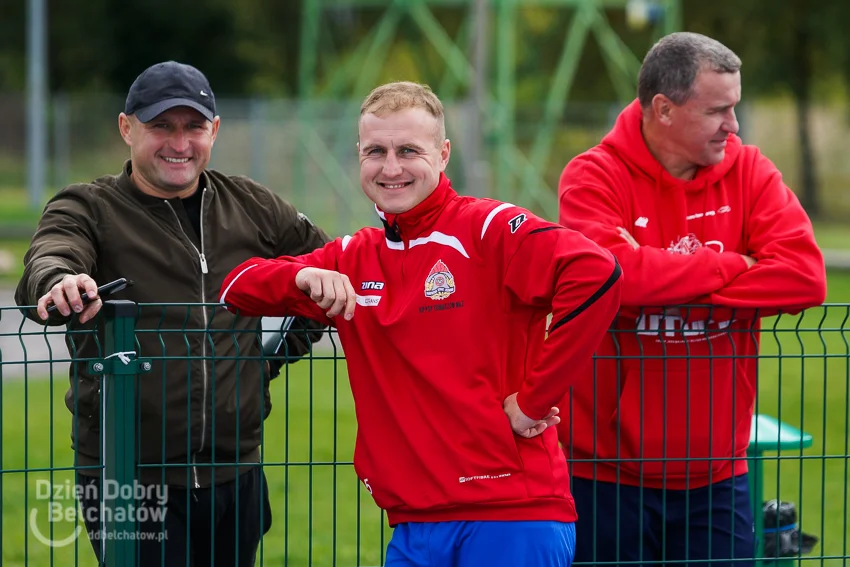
{"x": 402, "y": 95}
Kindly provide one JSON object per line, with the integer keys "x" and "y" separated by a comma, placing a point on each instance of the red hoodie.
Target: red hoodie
{"x": 453, "y": 298}
{"x": 681, "y": 389}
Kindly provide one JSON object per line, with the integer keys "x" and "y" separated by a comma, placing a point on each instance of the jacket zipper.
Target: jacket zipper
{"x": 204, "y": 270}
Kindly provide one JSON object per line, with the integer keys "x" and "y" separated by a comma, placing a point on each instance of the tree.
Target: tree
{"x": 784, "y": 47}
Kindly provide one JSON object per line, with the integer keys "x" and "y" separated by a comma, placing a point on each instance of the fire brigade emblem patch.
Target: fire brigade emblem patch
{"x": 440, "y": 282}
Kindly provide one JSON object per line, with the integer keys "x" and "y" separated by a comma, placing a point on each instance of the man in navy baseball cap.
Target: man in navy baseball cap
{"x": 166, "y": 85}
{"x": 184, "y": 225}
{"x": 176, "y": 227}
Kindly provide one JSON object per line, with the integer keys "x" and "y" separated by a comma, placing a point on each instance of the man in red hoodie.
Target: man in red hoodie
{"x": 659, "y": 429}
{"x": 453, "y": 376}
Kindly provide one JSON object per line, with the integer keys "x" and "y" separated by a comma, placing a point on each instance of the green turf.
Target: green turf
{"x": 317, "y": 503}
{"x": 15, "y": 208}
{"x": 315, "y": 520}
{"x": 12, "y": 262}
{"x": 803, "y": 381}
{"x": 833, "y": 236}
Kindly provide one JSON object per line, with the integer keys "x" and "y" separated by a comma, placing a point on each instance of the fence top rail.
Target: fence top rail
{"x": 697, "y": 307}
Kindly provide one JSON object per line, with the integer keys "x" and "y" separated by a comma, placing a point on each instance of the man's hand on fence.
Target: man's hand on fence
{"x": 66, "y": 296}
{"x": 331, "y": 290}
{"x": 523, "y": 425}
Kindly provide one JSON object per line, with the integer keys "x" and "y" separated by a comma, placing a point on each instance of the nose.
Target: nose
{"x": 731, "y": 123}
{"x": 392, "y": 166}
{"x": 179, "y": 141}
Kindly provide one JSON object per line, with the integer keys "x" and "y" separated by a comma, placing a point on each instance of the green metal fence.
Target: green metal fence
{"x": 320, "y": 513}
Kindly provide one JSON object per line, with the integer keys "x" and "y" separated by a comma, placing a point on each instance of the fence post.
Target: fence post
{"x": 61, "y": 140}
{"x": 118, "y": 428}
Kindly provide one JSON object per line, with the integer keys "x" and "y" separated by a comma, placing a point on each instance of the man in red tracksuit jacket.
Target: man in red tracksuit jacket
{"x": 442, "y": 315}
{"x": 694, "y": 217}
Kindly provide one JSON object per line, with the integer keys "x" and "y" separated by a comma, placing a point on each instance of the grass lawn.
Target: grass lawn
{"x": 323, "y": 516}
{"x": 17, "y": 221}
{"x": 834, "y": 236}
{"x": 321, "y": 513}
{"x": 11, "y": 261}
{"x": 14, "y": 206}
{"x": 812, "y": 393}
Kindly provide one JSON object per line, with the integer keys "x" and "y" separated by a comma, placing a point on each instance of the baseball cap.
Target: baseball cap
{"x": 166, "y": 85}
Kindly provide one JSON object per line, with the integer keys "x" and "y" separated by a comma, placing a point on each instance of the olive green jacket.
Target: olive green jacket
{"x": 207, "y": 394}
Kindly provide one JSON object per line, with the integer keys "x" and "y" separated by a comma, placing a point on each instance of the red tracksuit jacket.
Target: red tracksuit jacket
{"x": 696, "y": 373}
{"x": 453, "y": 298}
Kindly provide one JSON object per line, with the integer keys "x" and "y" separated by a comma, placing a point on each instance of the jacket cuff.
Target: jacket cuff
{"x": 529, "y": 409}
{"x": 732, "y": 265}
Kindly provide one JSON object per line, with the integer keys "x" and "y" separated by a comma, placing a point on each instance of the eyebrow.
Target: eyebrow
{"x": 722, "y": 107}
{"x": 399, "y": 146}
{"x": 412, "y": 146}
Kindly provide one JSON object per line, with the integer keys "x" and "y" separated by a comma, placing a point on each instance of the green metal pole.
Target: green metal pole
{"x": 312, "y": 11}
{"x": 450, "y": 83}
{"x": 673, "y": 16}
{"x": 622, "y": 64}
{"x": 378, "y": 49}
{"x": 367, "y": 78}
{"x": 341, "y": 78}
{"x": 119, "y": 432}
{"x": 505, "y": 96}
{"x": 559, "y": 91}
{"x": 309, "y": 47}
{"x": 756, "y": 481}
{"x": 452, "y": 54}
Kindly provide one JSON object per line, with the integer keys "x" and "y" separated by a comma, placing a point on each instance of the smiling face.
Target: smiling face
{"x": 401, "y": 158}
{"x": 697, "y": 130}
{"x": 170, "y": 151}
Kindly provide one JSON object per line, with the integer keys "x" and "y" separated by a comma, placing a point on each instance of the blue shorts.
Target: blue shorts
{"x": 620, "y": 523}
{"x": 473, "y": 544}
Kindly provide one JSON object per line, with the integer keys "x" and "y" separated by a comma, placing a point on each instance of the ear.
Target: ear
{"x": 662, "y": 109}
{"x": 215, "y": 124}
{"x": 445, "y": 153}
{"x": 125, "y": 126}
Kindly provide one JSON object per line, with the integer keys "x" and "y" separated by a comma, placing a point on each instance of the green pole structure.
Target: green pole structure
{"x": 310, "y": 19}
{"x": 505, "y": 98}
{"x": 119, "y": 368}
{"x": 672, "y": 16}
{"x": 558, "y": 93}
{"x": 518, "y": 166}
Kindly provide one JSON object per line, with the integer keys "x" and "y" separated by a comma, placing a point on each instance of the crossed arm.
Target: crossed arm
{"x": 782, "y": 269}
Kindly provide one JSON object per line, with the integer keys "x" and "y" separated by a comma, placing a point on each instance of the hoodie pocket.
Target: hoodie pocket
{"x": 681, "y": 426}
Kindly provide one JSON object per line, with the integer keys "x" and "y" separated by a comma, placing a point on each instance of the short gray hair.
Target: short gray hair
{"x": 672, "y": 64}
